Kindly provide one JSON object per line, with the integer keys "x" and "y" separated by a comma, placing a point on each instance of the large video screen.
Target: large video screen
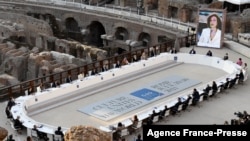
{"x": 210, "y": 30}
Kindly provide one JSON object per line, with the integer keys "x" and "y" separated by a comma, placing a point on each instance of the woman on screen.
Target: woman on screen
{"x": 211, "y": 36}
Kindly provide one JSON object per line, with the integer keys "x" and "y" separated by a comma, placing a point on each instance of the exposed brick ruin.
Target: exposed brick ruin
{"x": 86, "y": 133}
{"x": 29, "y": 50}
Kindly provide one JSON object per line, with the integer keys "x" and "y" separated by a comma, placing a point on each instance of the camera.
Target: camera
{"x": 239, "y": 114}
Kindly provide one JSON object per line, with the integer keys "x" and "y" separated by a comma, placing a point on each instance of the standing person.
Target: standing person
{"x": 239, "y": 62}
{"x": 245, "y": 69}
{"x": 241, "y": 77}
{"x": 11, "y": 102}
{"x": 8, "y": 112}
{"x": 211, "y": 36}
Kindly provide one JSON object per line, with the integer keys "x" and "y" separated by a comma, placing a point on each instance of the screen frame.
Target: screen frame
{"x": 201, "y": 24}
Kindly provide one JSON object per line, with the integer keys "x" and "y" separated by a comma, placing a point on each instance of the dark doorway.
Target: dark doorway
{"x": 93, "y": 37}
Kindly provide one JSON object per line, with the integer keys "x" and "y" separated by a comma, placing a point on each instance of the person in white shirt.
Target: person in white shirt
{"x": 211, "y": 36}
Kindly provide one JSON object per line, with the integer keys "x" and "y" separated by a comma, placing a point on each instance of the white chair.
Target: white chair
{"x": 34, "y": 135}
{"x": 138, "y": 126}
{"x": 180, "y": 108}
{"x": 90, "y": 72}
{"x": 58, "y": 138}
{"x": 124, "y": 132}
{"x": 210, "y": 93}
{"x": 38, "y": 89}
{"x": 26, "y": 92}
{"x": 200, "y": 100}
{"x": 219, "y": 90}
{"x": 156, "y": 118}
{"x": 190, "y": 102}
{"x": 167, "y": 113}
{"x": 18, "y": 130}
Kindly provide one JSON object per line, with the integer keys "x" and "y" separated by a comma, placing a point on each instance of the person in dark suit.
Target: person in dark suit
{"x": 226, "y": 84}
{"x": 173, "y": 51}
{"x": 10, "y": 138}
{"x": 117, "y": 133}
{"x": 8, "y": 113}
{"x": 214, "y": 88}
{"x": 40, "y": 134}
{"x": 162, "y": 113}
{"x": 233, "y": 81}
{"x": 206, "y": 91}
{"x": 94, "y": 72}
{"x": 54, "y": 85}
{"x": 241, "y": 76}
{"x": 209, "y": 53}
{"x": 59, "y": 132}
{"x": 192, "y": 51}
{"x": 104, "y": 68}
{"x": 225, "y": 57}
{"x": 18, "y": 124}
{"x": 186, "y": 102}
{"x": 69, "y": 79}
{"x": 175, "y": 108}
{"x": 135, "y": 59}
{"x": 196, "y": 97}
{"x": 153, "y": 115}
{"x": 138, "y": 138}
{"x": 118, "y": 65}
{"x": 11, "y": 102}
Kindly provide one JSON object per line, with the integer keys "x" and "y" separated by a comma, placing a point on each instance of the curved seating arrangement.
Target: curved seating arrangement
{"x": 26, "y": 103}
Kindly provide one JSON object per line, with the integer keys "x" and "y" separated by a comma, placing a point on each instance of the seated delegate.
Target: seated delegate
{"x": 59, "y": 132}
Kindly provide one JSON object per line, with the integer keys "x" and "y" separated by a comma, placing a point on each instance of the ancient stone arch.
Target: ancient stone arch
{"x": 121, "y": 34}
{"x": 95, "y": 30}
{"x": 145, "y": 38}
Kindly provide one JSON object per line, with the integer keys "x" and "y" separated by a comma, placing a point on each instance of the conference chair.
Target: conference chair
{"x": 58, "y": 138}
{"x": 34, "y": 135}
{"x": 124, "y": 132}
{"x": 167, "y": 113}
{"x": 200, "y": 100}
{"x": 138, "y": 126}
{"x": 26, "y": 92}
{"x": 156, "y": 118}
{"x": 18, "y": 130}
